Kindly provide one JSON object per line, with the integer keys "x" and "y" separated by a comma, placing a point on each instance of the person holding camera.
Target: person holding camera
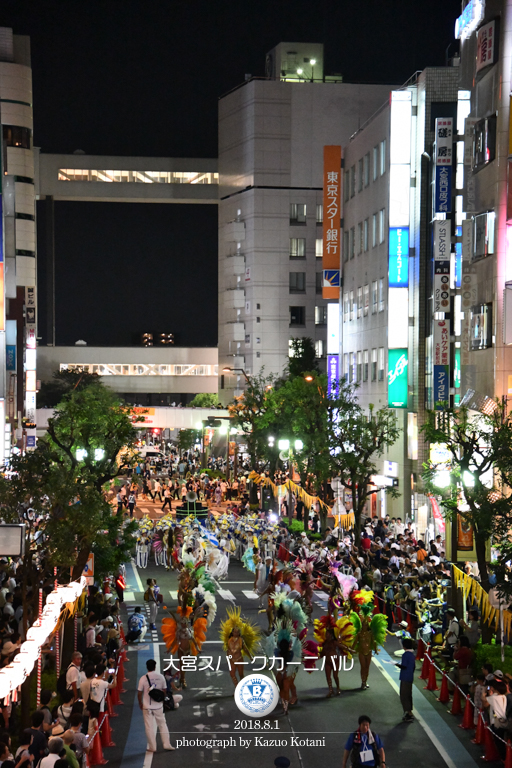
{"x": 151, "y": 693}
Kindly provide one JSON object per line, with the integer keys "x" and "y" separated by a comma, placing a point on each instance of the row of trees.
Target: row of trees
{"x": 58, "y": 490}
{"x": 339, "y": 438}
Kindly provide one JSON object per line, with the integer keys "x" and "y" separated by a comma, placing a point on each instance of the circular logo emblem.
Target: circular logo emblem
{"x": 256, "y": 695}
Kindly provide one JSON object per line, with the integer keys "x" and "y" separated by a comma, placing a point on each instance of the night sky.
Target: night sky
{"x": 125, "y": 77}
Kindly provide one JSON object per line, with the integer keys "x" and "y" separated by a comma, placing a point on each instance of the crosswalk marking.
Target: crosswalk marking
{"x": 173, "y": 593}
{"x": 250, "y": 594}
{"x": 129, "y": 597}
{"x": 226, "y": 594}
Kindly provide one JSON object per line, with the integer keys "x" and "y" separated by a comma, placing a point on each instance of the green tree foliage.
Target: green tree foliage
{"x": 356, "y": 438}
{"x": 187, "y": 439}
{"x": 60, "y": 498}
{"x": 302, "y": 358}
{"x": 254, "y": 413}
{"x": 62, "y": 383}
{"x": 205, "y": 400}
{"x": 480, "y": 475}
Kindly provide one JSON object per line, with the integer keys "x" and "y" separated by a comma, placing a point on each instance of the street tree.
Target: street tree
{"x": 205, "y": 400}
{"x": 475, "y": 479}
{"x": 356, "y": 439}
{"x": 62, "y": 383}
{"x": 302, "y": 358}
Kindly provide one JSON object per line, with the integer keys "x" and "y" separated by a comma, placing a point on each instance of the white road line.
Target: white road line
{"x": 174, "y": 594}
{"x": 251, "y": 595}
{"x": 226, "y": 594}
{"x": 129, "y": 597}
{"x": 137, "y": 577}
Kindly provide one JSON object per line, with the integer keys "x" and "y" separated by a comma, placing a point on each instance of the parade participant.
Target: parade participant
{"x": 182, "y": 637}
{"x": 407, "y": 668}
{"x": 335, "y": 639}
{"x": 369, "y": 635}
{"x": 261, "y": 580}
{"x": 151, "y": 596}
{"x": 364, "y": 747}
{"x": 239, "y": 638}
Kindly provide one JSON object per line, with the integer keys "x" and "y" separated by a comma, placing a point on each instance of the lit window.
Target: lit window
{"x": 383, "y": 157}
{"x": 375, "y": 162}
{"x": 297, "y": 213}
{"x": 374, "y": 364}
{"x": 321, "y": 315}
{"x": 319, "y": 348}
{"x": 375, "y": 298}
{"x": 366, "y": 300}
{"x": 382, "y": 223}
{"x": 319, "y": 214}
{"x": 359, "y": 302}
{"x": 359, "y": 366}
{"x": 382, "y": 301}
{"x": 297, "y": 247}
{"x": 365, "y": 365}
{"x": 319, "y": 247}
{"x": 381, "y": 363}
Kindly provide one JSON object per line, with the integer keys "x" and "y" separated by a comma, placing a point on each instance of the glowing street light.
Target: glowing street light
{"x": 284, "y": 445}
{"x": 468, "y": 479}
{"x": 299, "y": 445}
{"x": 442, "y": 479}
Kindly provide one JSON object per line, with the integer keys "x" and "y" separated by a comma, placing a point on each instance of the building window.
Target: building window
{"x": 381, "y": 363}
{"x": 366, "y": 300}
{"x": 366, "y": 169}
{"x": 352, "y": 305}
{"x": 319, "y": 348}
{"x": 319, "y": 279}
{"x": 321, "y": 315}
{"x": 375, "y": 298}
{"x": 258, "y": 354}
{"x": 319, "y": 247}
{"x": 297, "y": 282}
{"x": 297, "y": 213}
{"x": 359, "y": 366}
{"x": 346, "y": 306}
{"x": 16, "y": 136}
{"x": 366, "y": 224}
{"x": 483, "y": 235}
{"x": 374, "y": 364}
{"x": 352, "y": 181}
{"x": 375, "y": 162}
{"x": 297, "y": 315}
{"x": 297, "y": 247}
{"x": 346, "y": 186}
{"x": 359, "y": 238}
{"x": 365, "y": 365}
{"x": 345, "y": 245}
{"x": 319, "y": 213}
{"x": 351, "y": 245}
{"x": 383, "y": 157}
{"x": 352, "y": 376}
{"x": 382, "y": 302}
{"x": 26, "y": 216}
{"x": 382, "y": 222}
{"x": 346, "y": 371}
{"x": 258, "y": 320}
{"x": 374, "y": 230}
{"x": 361, "y": 176}
{"x": 359, "y": 302}
{"x": 258, "y": 306}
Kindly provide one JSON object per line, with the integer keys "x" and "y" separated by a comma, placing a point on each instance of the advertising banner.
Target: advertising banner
{"x": 443, "y": 189}
{"x": 441, "y": 286}
{"x": 485, "y": 45}
{"x": 441, "y": 386}
{"x": 441, "y": 342}
{"x": 438, "y": 517}
{"x": 444, "y": 141}
{"x": 397, "y": 378}
{"x": 333, "y": 374}
{"x": 331, "y": 257}
{"x": 398, "y": 251}
{"x": 441, "y": 238}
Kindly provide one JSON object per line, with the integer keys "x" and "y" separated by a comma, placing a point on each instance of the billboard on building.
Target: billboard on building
{"x": 398, "y": 250}
{"x": 331, "y": 257}
{"x": 397, "y": 378}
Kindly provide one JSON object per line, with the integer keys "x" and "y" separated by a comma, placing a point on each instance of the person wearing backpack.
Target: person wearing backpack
{"x": 73, "y": 674}
{"x": 496, "y": 702}
{"x": 151, "y": 692}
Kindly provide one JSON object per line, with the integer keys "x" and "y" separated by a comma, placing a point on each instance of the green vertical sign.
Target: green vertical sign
{"x": 397, "y": 378}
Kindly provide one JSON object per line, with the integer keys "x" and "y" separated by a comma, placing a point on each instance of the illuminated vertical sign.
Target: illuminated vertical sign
{"x": 333, "y": 329}
{"x": 331, "y": 258}
{"x": 443, "y": 158}
{"x": 398, "y": 257}
{"x": 333, "y": 374}
{"x": 398, "y": 361}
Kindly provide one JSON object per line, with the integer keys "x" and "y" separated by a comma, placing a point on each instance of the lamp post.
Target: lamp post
{"x": 226, "y": 369}
{"x": 284, "y": 447}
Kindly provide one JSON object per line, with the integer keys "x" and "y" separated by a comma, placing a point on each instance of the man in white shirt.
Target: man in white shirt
{"x": 73, "y": 674}
{"x": 153, "y": 711}
{"x": 99, "y": 687}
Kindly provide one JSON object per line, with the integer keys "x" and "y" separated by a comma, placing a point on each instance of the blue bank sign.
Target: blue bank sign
{"x": 398, "y": 257}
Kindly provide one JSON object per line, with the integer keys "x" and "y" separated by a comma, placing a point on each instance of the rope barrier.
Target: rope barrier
{"x": 466, "y": 696}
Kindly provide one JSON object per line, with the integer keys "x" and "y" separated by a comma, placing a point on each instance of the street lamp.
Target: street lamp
{"x": 442, "y": 479}
{"x": 226, "y": 369}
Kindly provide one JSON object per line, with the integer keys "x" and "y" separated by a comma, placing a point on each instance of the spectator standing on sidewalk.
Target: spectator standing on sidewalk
{"x": 153, "y": 710}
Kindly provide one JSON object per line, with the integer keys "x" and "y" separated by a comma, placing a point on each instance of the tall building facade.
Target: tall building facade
{"x": 391, "y": 301}
{"x": 18, "y": 284}
{"x": 272, "y": 132}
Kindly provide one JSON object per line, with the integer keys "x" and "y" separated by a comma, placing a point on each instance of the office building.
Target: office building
{"x": 393, "y": 308}
{"x": 18, "y": 293}
{"x": 272, "y": 132}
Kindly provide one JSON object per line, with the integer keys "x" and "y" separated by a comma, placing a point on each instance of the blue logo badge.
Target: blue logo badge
{"x": 256, "y": 695}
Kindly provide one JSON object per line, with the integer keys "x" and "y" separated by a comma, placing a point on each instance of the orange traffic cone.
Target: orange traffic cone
{"x": 110, "y": 708}
{"x": 425, "y": 667}
{"x": 467, "y": 720}
{"x": 432, "y": 682}
{"x": 420, "y": 653}
{"x": 115, "y": 695}
{"x": 508, "y": 758}
{"x": 409, "y": 623}
{"x": 491, "y": 751}
{"x": 479, "y": 735}
{"x": 106, "y": 732}
{"x": 96, "y": 751}
{"x": 456, "y": 707}
{"x": 444, "y": 696}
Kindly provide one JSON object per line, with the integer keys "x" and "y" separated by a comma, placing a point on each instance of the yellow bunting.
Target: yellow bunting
{"x": 472, "y": 588}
